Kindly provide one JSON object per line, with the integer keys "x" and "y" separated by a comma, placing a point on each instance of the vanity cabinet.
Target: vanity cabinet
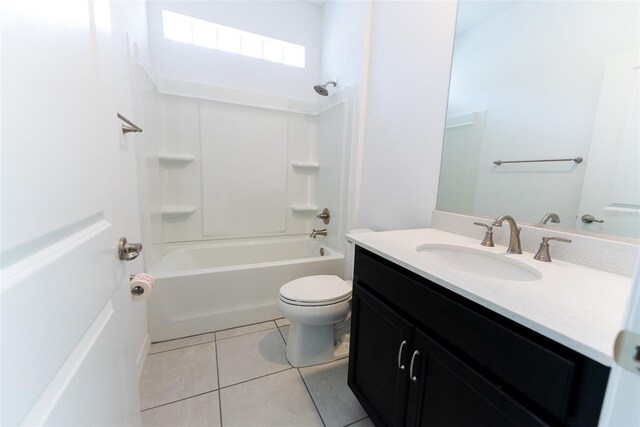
{"x": 423, "y": 355}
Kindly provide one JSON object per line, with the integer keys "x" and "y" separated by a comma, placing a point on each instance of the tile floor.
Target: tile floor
{"x": 241, "y": 377}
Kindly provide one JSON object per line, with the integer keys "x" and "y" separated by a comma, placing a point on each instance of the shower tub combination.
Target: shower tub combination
{"x": 203, "y": 287}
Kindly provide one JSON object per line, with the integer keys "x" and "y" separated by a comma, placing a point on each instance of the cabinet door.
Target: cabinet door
{"x": 379, "y": 359}
{"x": 447, "y": 392}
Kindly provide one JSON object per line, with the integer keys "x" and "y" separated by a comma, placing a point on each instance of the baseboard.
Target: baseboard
{"x": 142, "y": 355}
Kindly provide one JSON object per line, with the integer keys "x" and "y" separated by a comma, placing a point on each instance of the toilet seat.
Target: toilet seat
{"x": 313, "y": 304}
{"x": 315, "y": 291}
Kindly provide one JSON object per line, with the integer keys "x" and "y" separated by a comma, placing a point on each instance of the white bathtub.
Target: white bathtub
{"x": 205, "y": 287}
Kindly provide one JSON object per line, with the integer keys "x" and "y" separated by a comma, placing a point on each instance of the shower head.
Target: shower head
{"x": 322, "y": 89}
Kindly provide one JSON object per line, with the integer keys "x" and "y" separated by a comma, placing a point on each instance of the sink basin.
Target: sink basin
{"x": 479, "y": 262}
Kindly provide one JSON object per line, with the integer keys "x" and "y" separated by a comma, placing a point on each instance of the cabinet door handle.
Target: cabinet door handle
{"x": 400, "y": 365}
{"x": 413, "y": 358}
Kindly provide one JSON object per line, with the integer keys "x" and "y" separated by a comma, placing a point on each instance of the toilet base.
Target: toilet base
{"x": 313, "y": 345}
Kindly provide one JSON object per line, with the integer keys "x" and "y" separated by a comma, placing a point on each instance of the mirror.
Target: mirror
{"x": 553, "y": 88}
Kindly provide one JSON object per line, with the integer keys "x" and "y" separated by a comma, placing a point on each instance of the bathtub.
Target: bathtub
{"x": 205, "y": 287}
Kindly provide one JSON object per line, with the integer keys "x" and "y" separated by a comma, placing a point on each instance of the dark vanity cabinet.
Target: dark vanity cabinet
{"x": 423, "y": 355}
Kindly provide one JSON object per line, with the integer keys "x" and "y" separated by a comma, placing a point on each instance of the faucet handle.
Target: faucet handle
{"x": 482, "y": 224}
{"x": 559, "y": 239}
{"x": 543, "y": 251}
{"x": 488, "y": 237}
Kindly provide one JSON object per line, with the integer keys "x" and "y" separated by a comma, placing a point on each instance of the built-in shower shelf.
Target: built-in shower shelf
{"x": 306, "y": 166}
{"x": 174, "y": 157}
{"x": 309, "y": 209}
{"x": 462, "y": 120}
{"x": 178, "y": 210}
{"x": 459, "y": 125}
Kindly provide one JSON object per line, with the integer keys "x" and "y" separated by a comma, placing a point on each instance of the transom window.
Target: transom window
{"x": 186, "y": 29}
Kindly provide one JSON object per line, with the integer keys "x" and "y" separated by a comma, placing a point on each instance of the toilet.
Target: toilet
{"x": 314, "y": 305}
{"x": 318, "y": 308}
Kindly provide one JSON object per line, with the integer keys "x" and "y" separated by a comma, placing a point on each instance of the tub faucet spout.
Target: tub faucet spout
{"x": 514, "y": 237}
{"x": 315, "y": 233}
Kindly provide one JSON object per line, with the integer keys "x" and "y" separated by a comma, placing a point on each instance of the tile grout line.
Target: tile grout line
{"x": 246, "y": 333}
{"x": 221, "y": 330}
{"x": 356, "y": 421}
{"x": 261, "y": 376}
{"x": 251, "y": 324}
{"x": 219, "y": 388}
{"x": 311, "y": 396}
{"x": 214, "y": 340}
{"x": 302, "y": 378}
{"x": 219, "y": 391}
{"x": 285, "y": 341}
{"x": 179, "y": 400}
{"x": 180, "y": 348}
{"x": 217, "y": 370}
{"x": 182, "y": 338}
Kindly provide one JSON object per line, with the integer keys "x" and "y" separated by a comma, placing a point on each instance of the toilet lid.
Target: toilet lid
{"x": 316, "y": 289}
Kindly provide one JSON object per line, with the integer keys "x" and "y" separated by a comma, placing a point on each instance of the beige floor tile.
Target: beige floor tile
{"x": 278, "y": 400}
{"x": 328, "y": 387}
{"x": 285, "y": 332}
{"x": 363, "y": 423}
{"x": 282, "y": 322}
{"x": 178, "y": 374}
{"x": 198, "y": 411}
{"x": 181, "y": 342}
{"x": 243, "y": 330}
{"x": 250, "y": 356}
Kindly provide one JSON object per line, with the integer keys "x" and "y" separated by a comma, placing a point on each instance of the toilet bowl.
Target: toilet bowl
{"x": 314, "y": 305}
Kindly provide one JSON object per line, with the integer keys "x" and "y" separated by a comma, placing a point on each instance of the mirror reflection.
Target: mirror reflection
{"x": 543, "y": 115}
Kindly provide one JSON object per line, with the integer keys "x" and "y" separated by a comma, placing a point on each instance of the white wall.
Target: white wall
{"x": 411, "y": 44}
{"x": 344, "y": 37}
{"x": 295, "y": 22}
{"x": 536, "y": 69}
{"x": 345, "y": 50}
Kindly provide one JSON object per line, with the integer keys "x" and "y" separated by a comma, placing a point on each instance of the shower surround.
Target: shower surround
{"x": 236, "y": 166}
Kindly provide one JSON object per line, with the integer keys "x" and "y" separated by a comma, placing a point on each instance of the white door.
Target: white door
{"x": 611, "y": 193}
{"x": 611, "y": 189}
{"x": 65, "y": 300}
{"x": 622, "y": 401}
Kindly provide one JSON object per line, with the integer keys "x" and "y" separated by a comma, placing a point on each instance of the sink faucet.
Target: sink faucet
{"x": 315, "y": 233}
{"x": 514, "y": 238}
{"x": 553, "y": 217}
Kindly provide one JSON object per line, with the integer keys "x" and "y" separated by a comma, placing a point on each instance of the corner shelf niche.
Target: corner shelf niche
{"x": 177, "y": 210}
{"x": 468, "y": 119}
{"x": 304, "y": 209}
{"x": 306, "y": 167}
{"x": 176, "y": 158}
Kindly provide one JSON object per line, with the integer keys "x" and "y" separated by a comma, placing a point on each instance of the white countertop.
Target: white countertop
{"x": 578, "y": 307}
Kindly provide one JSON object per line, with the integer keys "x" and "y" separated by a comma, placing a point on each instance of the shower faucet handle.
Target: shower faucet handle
{"x": 488, "y": 237}
{"x": 325, "y": 216}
